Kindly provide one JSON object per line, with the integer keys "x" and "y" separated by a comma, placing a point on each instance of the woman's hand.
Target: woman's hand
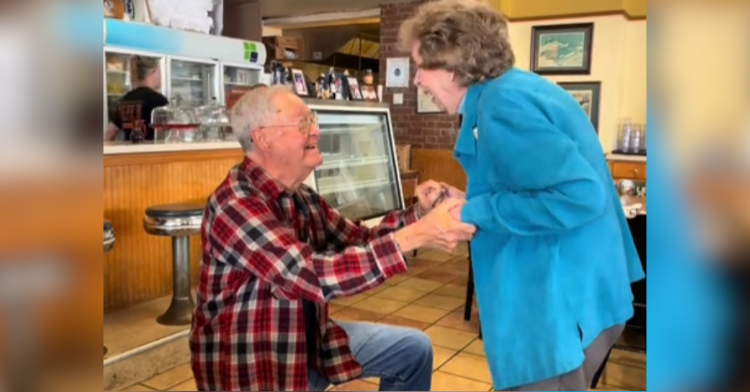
{"x": 429, "y": 194}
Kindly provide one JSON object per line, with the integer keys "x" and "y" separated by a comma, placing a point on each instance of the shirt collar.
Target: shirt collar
{"x": 261, "y": 180}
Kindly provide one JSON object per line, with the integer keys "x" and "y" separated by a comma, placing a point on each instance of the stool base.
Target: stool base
{"x": 180, "y": 312}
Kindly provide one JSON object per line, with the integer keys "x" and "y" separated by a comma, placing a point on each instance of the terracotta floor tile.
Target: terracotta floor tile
{"x": 420, "y": 284}
{"x": 422, "y": 263}
{"x": 403, "y": 322}
{"x": 435, "y": 255}
{"x": 348, "y": 301}
{"x": 396, "y": 280}
{"x": 455, "y": 320}
{"x": 441, "y": 302}
{"x": 401, "y": 294}
{"x": 438, "y": 275}
{"x": 138, "y": 388}
{"x": 476, "y": 347}
{"x": 441, "y": 355}
{"x": 470, "y": 366}
{"x": 170, "y": 378}
{"x": 186, "y": 386}
{"x": 334, "y": 307}
{"x": 448, "y": 382}
{"x": 380, "y": 305}
{"x": 452, "y": 290}
{"x": 356, "y": 314}
{"x": 421, "y": 313}
{"x": 622, "y": 376}
{"x": 450, "y": 338}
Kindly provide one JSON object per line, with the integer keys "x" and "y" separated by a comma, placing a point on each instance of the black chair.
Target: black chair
{"x": 636, "y": 326}
{"x": 470, "y": 295}
{"x": 178, "y": 221}
{"x": 109, "y": 244}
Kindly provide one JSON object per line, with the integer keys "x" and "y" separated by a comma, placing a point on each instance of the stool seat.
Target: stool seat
{"x": 174, "y": 220}
{"x": 109, "y": 236}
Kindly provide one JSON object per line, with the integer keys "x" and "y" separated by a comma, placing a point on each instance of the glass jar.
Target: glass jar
{"x": 214, "y": 120}
{"x": 175, "y": 123}
{"x": 625, "y": 136}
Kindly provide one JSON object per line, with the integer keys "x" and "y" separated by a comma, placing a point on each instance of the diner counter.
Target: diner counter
{"x": 120, "y": 147}
{"x": 626, "y": 158}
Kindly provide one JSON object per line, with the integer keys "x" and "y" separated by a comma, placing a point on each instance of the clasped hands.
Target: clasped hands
{"x": 440, "y": 206}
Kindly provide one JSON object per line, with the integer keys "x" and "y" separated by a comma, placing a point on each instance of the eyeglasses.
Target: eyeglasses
{"x": 305, "y": 124}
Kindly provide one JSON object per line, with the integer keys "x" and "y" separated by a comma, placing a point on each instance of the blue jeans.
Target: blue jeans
{"x": 400, "y": 357}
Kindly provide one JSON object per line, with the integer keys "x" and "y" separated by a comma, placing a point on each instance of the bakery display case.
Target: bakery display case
{"x": 117, "y": 72}
{"x": 359, "y": 175}
{"x": 238, "y": 76}
{"x": 194, "y": 81}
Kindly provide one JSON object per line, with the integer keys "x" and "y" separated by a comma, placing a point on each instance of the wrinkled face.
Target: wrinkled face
{"x": 291, "y": 139}
{"x": 439, "y": 84}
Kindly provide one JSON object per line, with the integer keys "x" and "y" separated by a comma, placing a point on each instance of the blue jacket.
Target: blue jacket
{"x": 553, "y": 256}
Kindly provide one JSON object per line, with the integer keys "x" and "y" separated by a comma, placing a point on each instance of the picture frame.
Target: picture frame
{"x": 588, "y": 96}
{"x": 562, "y": 49}
{"x": 425, "y": 104}
{"x": 355, "y": 94}
{"x": 369, "y": 93}
{"x": 299, "y": 82}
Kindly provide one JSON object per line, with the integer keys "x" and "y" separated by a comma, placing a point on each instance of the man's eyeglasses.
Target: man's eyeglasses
{"x": 305, "y": 124}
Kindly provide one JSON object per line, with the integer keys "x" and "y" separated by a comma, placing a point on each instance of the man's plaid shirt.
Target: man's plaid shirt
{"x": 264, "y": 250}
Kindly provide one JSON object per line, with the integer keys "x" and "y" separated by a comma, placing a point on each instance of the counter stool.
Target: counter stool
{"x": 109, "y": 243}
{"x": 178, "y": 221}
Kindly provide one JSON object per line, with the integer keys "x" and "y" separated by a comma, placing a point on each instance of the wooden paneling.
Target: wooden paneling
{"x": 409, "y": 181}
{"x": 140, "y": 266}
{"x": 438, "y": 165}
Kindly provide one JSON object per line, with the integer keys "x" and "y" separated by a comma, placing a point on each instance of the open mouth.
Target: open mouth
{"x": 311, "y": 147}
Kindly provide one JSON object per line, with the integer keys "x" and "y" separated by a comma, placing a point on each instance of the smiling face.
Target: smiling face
{"x": 291, "y": 140}
{"x": 440, "y": 85}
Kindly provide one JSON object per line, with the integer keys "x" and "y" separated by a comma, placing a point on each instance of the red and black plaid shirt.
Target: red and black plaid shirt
{"x": 264, "y": 251}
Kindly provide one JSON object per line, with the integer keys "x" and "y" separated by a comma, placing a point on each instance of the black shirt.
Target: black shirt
{"x": 134, "y": 110}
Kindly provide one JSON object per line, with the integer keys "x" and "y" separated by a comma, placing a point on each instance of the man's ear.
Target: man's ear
{"x": 260, "y": 140}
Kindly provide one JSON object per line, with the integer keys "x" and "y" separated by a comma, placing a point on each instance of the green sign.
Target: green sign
{"x": 251, "y": 52}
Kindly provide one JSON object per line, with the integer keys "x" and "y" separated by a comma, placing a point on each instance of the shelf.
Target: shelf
{"x": 352, "y": 162}
{"x": 182, "y": 79}
{"x": 338, "y": 185}
{"x": 238, "y": 84}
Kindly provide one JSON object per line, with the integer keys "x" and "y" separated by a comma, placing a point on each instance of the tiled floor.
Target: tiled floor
{"x": 430, "y": 298}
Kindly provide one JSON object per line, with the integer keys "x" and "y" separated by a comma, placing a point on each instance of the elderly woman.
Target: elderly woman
{"x": 553, "y": 256}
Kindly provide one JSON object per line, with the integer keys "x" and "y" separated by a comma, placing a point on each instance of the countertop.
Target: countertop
{"x": 634, "y": 205}
{"x": 628, "y": 158}
{"x": 111, "y": 148}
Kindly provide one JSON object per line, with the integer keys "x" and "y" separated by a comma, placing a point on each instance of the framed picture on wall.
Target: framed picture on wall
{"x": 588, "y": 96}
{"x": 562, "y": 49}
{"x": 300, "y": 85}
{"x": 425, "y": 104}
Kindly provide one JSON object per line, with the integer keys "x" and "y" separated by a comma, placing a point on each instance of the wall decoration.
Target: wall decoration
{"x": 354, "y": 92}
{"x": 425, "y": 104}
{"x": 300, "y": 85}
{"x": 397, "y": 69}
{"x": 562, "y": 49}
{"x": 369, "y": 93}
{"x": 587, "y": 94}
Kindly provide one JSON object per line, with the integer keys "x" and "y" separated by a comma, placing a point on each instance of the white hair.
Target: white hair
{"x": 252, "y": 111}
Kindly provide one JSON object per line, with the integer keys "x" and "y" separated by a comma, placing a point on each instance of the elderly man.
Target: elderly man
{"x": 553, "y": 256}
{"x": 274, "y": 254}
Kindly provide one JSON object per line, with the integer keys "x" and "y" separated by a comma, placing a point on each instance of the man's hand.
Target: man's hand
{"x": 439, "y": 229}
{"x": 429, "y": 194}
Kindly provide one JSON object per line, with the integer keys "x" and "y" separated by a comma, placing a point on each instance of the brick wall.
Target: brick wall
{"x": 432, "y": 131}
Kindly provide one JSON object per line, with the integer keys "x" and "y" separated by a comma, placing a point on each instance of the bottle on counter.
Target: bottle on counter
{"x": 624, "y": 138}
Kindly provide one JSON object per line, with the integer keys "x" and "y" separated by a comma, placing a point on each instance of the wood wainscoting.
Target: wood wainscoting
{"x": 139, "y": 268}
{"x": 438, "y": 165}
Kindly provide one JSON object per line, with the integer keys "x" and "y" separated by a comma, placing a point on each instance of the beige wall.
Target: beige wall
{"x": 618, "y": 62}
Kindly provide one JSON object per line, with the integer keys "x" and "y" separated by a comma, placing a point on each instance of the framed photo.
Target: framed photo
{"x": 354, "y": 92}
{"x": 300, "y": 85}
{"x": 588, "y": 95}
{"x": 425, "y": 104}
{"x": 369, "y": 93}
{"x": 562, "y": 49}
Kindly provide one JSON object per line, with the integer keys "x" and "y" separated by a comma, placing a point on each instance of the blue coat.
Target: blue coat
{"x": 553, "y": 256}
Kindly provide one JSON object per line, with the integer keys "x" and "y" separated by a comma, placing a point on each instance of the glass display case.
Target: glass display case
{"x": 359, "y": 174}
{"x": 118, "y": 74}
{"x": 237, "y": 76}
{"x": 193, "y": 81}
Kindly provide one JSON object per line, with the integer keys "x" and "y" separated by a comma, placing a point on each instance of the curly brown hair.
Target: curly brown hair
{"x": 467, "y": 37}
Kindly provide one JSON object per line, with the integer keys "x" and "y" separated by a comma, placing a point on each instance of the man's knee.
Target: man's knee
{"x": 418, "y": 344}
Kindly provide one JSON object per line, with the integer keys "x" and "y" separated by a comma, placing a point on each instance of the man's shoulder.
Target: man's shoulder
{"x": 235, "y": 187}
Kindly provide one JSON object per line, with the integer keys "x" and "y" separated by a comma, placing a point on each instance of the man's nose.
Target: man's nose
{"x": 314, "y": 131}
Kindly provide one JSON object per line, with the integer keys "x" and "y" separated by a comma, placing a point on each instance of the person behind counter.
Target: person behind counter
{"x": 553, "y": 258}
{"x": 135, "y": 107}
{"x": 275, "y": 253}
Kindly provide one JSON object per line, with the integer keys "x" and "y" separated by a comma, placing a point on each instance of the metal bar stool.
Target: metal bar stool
{"x": 470, "y": 295}
{"x": 109, "y": 243}
{"x": 178, "y": 221}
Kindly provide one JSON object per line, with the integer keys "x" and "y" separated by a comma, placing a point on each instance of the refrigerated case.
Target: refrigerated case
{"x": 238, "y": 76}
{"x": 359, "y": 175}
{"x": 194, "y": 81}
{"x": 118, "y": 76}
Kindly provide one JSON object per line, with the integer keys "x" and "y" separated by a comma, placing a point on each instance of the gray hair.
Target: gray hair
{"x": 253, "y": 111}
